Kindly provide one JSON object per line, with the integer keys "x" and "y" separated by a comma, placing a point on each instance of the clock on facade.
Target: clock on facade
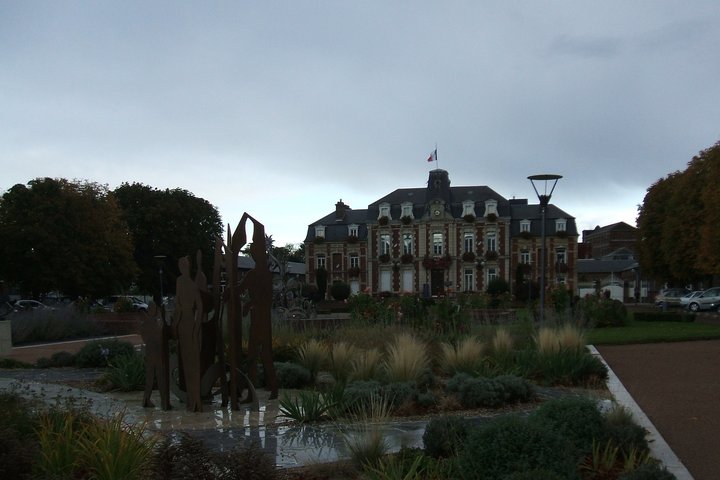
{"x": 437, "y": 213}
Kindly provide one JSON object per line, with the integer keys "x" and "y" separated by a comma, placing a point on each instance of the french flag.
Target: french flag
{"x": 433, "y": 156}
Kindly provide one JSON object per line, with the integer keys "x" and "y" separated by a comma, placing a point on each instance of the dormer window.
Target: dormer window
{"x": 352, "y": 230}
{"x": 560, "y": 225}
{"x": 490, "y": 207}
{"x": 407, "y": 210}
{"x": 468, "y": 208}
{"x": 320, "y": 231}
{"x": 525, "y": 226}
{"x": 384, "y": 211}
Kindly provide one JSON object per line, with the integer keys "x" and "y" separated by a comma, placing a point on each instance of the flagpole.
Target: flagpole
{"x": 437, "y": 162}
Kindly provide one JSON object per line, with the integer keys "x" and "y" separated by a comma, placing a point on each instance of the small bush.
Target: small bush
{"x": 99, "y": 353}
{"x": 621, "y": 429}
{"x": 575, "y": 418}
{"x": 181, "y": 456}
{"x": 361, "y": 393}
{"x": 246, "y": 463}
{"x": 126, "y": 372}
{"x": 398, "y": 393}
{"x": 475, "y": 392}
{"x": 12, "y": 363}
{"x": 444, "y": 436}
{"x": 648, "y": 471}
{"x": 598, "y": 311}
{"x": 512, "y": 445}
{"x": 292, "y": 375}
{"x": 340, "y": 291}
{"x": 307, "y": 407}
{"x": 536, "y": 474}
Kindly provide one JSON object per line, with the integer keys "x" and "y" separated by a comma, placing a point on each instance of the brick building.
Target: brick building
{"x": 440, "y": 238}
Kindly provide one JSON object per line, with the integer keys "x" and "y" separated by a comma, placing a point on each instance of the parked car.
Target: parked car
{"x": 25, "y": 305}
{"x": 707, "y": 300}
{"x": 670, "y": 297}
{"x": 137, "y": 304}
{"x": 685, "y": 299}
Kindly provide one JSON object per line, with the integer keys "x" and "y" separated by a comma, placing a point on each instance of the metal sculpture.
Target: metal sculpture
{"x": 197, "y": 320}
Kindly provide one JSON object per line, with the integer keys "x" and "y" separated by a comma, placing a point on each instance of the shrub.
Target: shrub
{"x": 510, "y": 445}
{"x": 562, "y": 368}
{"x": 57, "y": 359}
{"x": 180, "y": 455}
{"x": 398, "y": 393}
{"x": 99, "y": 353}
{"x": 246, "y": 463}
{"x": 535, "y": 474}
{"x": 575, "y": 418}
{"x": 360, "y": 393}
{"x": 126, "y": 372}
{"x": 292, "y": 375}
{"x": 340, "y": 291}
{"x": 307, "y": 407}
{"x": 12, "y": 363}
{"x": 621, "y": 429}
{"x": 598, "y": 311}
{"x": 649, "y": 471}
{"x": 18, "y": 447}
{"x": 406, "y": 359}
{"x": 444, "y": 436}
{"x": 112, "y": 449}
{"x": 490, "y": 392}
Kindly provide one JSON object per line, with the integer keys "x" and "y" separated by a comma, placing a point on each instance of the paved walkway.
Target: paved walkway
{"x": 677, "y": 385}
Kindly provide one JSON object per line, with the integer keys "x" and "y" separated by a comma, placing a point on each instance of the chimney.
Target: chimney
{"x": 340, "y": 209}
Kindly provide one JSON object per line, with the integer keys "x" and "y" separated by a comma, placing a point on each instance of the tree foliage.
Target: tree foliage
{"x": 679, "y": 222}
{"x": 169, "y": 224}
{"x": 62, "y": 235}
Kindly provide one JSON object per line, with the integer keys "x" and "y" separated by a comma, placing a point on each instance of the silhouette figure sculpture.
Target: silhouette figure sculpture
{"x": 155, "y": 336}
{"x": 187, "y": 320}
{"x": 258, "y": 283}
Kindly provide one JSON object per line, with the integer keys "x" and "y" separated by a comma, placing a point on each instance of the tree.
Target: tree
{"x": 66, "y": 236}
{"x": 167, "y": 225}
{"x": 678, "y": 223}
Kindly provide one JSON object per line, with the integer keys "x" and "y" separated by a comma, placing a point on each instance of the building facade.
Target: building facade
{"x": 441, "y": 239}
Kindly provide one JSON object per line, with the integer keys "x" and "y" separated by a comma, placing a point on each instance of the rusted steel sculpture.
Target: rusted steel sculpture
{"x": 154, "y": 333}
{"x": 197, "y": 323}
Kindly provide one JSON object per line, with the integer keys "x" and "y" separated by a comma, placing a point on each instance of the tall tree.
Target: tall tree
{"x": 62, "y": 235}
{"x": 165, "y": 226}
{"x": 679, "y": 223}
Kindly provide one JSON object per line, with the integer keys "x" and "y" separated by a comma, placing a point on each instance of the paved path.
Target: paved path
{"x": 677, "y": 385}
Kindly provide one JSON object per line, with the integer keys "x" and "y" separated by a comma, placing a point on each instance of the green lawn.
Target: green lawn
{"x": 652, "y": 332}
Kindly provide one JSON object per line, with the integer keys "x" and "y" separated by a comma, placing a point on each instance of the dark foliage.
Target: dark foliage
{"x": 511, "y": 445}
{"x": 444, "y": 436}
{"x": 100, "y": 353}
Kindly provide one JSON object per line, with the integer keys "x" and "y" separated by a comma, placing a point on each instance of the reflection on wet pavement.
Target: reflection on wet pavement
{"x": 223, "y": 429}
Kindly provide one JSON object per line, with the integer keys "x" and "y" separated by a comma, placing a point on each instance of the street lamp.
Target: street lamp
{"x": 160, "y": 259}
{"x": 546, "y": 182}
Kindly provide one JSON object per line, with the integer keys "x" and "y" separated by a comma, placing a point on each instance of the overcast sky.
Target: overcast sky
{"x": 281, "y": 109}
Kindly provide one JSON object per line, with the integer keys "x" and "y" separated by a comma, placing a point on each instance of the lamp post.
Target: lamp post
{"x": 546, "y": 182}
{"x": 160, "y": 259}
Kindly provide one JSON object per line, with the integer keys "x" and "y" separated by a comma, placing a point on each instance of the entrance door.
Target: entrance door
{"x": 437, "y": 282}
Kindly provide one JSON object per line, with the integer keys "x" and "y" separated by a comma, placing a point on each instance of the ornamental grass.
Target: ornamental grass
{"x": 406, "y": 359}
{"x": 464, "y": 356}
